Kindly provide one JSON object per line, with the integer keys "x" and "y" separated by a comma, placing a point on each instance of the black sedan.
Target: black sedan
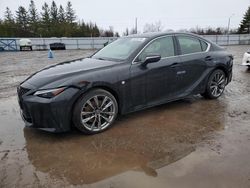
{"x": 130, "y": 74}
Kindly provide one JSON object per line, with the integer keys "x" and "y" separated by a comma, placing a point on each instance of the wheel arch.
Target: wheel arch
{"x": 224, "y": 69}
{"x": 110, "y": 90}
{"x": 104, "y": 87}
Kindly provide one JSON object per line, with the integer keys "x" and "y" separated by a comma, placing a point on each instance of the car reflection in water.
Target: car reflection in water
{"x": 142, "y": 141}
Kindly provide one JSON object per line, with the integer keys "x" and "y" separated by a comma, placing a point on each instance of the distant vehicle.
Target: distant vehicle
{"x": 57, "y": 46}
{"x": 130, "y": 74}
{"x": 246, "y": 59}
{"x": 25, "y": 44}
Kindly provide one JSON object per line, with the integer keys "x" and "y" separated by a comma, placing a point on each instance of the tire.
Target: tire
{"x": 95, "y": 111}
{"x": 215, "y": 85}
{"x": 31, "y": 48}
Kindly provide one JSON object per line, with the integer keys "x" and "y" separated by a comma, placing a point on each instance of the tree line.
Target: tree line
{"x": 53, "y": 21}
{"x": 57, "y": 21}
{"x": 244, "y": 27}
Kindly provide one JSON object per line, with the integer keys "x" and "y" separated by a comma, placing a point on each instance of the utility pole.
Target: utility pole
{"x": 228, "y": 28}
{"x": 135, "y": 25}
{"x": 229, "y": 21}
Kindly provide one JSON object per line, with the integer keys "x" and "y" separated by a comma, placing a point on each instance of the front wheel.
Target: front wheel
{"x": 215, "y": 85}
{"x": 95, "y": 111}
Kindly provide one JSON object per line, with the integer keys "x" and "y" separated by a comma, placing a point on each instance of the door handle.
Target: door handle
{"x": 174, "y": 65}
{"x": 208, "y": 58}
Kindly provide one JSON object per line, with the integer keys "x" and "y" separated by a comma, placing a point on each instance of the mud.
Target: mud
{"x": 188, "y": 143}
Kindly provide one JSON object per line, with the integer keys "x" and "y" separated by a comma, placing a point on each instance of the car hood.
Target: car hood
{"x": 65, "y": 70}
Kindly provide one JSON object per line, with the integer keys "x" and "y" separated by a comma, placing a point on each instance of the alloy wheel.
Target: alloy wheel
{"x": 217, "y": 84}
{"x": 97, "y": 113}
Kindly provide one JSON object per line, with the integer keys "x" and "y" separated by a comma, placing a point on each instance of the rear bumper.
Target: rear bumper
{"x": 52, "y": 115}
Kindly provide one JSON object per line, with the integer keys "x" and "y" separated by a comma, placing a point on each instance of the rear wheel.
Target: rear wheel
{"x": 215, "y": 85}
{"x": 95, "y": 111}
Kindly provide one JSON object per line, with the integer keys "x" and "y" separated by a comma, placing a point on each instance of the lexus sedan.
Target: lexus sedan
{"x": 130, "y": 74}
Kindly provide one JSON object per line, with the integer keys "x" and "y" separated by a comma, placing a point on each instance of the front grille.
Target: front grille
{"x": 26, "y": 116}
{"x": 24, "y": 110}
{"x": 21, "y": 91}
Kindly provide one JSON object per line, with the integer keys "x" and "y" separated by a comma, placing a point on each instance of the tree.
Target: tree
{"x": 54, "y": 12}
{"x": 117, "y": 34}
{"x": 126, "y": 33}
{"x": 8, "y": 16}
{"x": 51, "y": 22}
{"x": 61, "y": 14}
{"x": 8, "y": 27}
{"x": 245, "y": 23}
{"x": 133, "y": 31}
{"x": 22, "y": 20}
{"x": 70, "y": 13}
{"x": 46, "y": 13}
{"x": 153, "y": 27}
{"x": 45, "y": 20}
{"x": 33, "y": 18}
{"x": 96, "y": 32}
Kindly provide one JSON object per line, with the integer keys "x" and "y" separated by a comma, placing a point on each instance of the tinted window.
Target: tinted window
{"x": 204, "y": 45}
{"x": 189, "y": 45}
{"x": 162, "y": 46}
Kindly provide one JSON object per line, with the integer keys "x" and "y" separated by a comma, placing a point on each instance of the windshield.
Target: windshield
{"x": 120, "y": 49}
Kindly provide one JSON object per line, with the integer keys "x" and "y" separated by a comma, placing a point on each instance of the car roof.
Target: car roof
{"x": 159, "y": 34}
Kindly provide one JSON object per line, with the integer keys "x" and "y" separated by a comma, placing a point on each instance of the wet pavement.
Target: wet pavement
{"x": 188, "y": 143}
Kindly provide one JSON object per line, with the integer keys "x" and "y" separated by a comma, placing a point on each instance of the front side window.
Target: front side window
{"x": 189, "y": 45}
{"x": 162, "y": 46}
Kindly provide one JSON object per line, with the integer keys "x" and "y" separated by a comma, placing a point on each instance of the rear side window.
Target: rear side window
{"x": 162, "y": 46}
{"x": 189, "y": 45}
{"x": 204, "y": 45}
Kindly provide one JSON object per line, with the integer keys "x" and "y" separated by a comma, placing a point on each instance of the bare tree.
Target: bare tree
{"x": 126, "y": 33}
{"x": 153, "y": 27}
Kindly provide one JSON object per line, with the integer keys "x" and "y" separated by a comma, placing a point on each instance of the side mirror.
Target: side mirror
{"x": 151, "y": 59}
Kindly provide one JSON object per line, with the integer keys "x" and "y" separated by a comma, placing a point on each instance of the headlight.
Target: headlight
{"x": 49, "y": 93}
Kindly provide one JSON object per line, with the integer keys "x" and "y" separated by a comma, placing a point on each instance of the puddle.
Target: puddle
{"x": 188, "y": 143}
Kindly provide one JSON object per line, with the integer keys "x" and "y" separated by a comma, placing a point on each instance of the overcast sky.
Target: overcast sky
{"x": 173, "y": 14}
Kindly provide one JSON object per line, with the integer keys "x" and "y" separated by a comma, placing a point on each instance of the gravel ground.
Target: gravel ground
{"x": 16, "y": 66}
{"x": 188, "y": 143}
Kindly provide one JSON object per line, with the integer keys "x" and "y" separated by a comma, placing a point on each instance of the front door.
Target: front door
{"x": 154, "y": 82}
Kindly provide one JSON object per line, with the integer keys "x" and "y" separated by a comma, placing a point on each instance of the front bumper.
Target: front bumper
{"x": 52, "y": 115}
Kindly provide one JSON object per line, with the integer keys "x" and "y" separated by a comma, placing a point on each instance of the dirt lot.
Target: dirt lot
{"x": 189, "y": 143}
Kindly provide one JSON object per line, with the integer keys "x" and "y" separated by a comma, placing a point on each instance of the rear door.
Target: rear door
{"x": 193, "y": 63}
